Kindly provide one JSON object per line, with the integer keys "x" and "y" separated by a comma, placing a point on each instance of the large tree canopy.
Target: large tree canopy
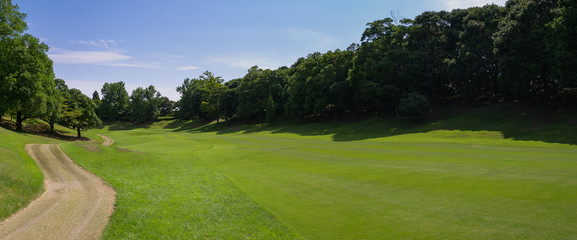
{"x": 212, "y": 93}
{"x": 26, "y": 74}
{"x": 254, "y": 91}
{"x": 201, "y": 97}
{"x": 115, "y": 102}
{"x": 190, "y": 99}
{"x": 144, "y": 104}
{"x": 319, "y": 83}
{"x": 521, "y": 45}
{"x": 55, "y": 103}
{"x": 12, "y": 21}
{"x": 564, "y": 44}
{"x": 79, "y": 111}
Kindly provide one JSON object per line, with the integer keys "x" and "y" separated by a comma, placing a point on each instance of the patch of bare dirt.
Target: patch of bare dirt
{"x": 90, "y": 148}
{"x": 128, "y": 150}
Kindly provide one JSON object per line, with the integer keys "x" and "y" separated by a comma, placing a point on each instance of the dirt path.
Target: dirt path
{"x": 76, "y": 204}
{"x": 107, "y": 141}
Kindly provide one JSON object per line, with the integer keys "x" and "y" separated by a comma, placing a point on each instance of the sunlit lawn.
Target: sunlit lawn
{"x": 299, "y": 181}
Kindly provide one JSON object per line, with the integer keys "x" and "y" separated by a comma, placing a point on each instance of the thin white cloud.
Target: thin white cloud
{"x": 136, "y": 64}
{"x": 463, "y": 4}
{"x": 167, "y": 57}
{"x": 188, "y": 68}
{"x": 103, "y": 58}
{"x": 107, "y": 53}
{"x": 87, "y": 57}
{"x": 105, "y": 44}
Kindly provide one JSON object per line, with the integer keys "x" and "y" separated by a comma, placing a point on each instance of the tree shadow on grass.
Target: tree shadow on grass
{"x": 119, "y": 126}
{"x": 44, "y": 131}
{"x": 512, "y": 121}
{"x": 183, "y": 125}
{"x": 517, "y": 122}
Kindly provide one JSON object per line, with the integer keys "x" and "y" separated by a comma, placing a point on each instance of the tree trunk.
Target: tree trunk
{"x": 78, "y": 129}
{"x": 225, "y": 118}
{"x": 51, "y": 128}
{"x": 19, "y": 121}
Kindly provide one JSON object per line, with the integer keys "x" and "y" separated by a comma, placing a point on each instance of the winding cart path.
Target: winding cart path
{"x": 107, "y": 141}
{"x": 76, "y": 204}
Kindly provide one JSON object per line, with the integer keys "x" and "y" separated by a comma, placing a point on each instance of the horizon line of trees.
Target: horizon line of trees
{"x": 525, "y": 51}
{"x": 143, "y": 105}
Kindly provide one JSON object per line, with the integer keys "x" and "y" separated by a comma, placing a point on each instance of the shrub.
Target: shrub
{"x": 414, "y": 105}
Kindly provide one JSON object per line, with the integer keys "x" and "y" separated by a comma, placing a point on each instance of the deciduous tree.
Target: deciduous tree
{"x": 474, "y": 70}
{"x": 55, "y": 103}
{"x": 115, "y": 102}
{"x": 166, "y": 107}
{"x": 524, "y": 56}
{"x": 564, "y": 43}
{"x": 255, "y": 89}
{"x": 213, "y": 90}
{"x": 190, "y": 99}
{"x": 79, "y": 112}
{"x": 28, "y": 74}
{"x": 144, "y": 104}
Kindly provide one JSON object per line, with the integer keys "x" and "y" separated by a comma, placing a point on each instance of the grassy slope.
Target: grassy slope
{"x": 443, "y": 184}
{"x": 20, "y": 178}
{"x": 373, "y": 179}
{"x": 164, "y": 190}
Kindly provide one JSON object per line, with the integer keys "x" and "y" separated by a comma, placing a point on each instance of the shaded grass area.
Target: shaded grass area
{"x": 174, "y": 195}
{"x": 21, "y": 180}
{"x": 517, "y": 122}
{"x": 39, "y": 127}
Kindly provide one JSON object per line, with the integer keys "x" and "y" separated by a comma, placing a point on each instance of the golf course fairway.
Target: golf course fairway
{"x": 333, "y": 181}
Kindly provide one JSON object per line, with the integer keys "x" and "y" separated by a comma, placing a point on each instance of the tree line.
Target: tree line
{"x": 143, "y": 105}
{"x": 28, "y": 88}
{"x": 524, "y": 51}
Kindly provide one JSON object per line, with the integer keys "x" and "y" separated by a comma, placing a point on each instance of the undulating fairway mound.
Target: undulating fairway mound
{"x": 75, "y": 205}
{"x": 463, "y": 177}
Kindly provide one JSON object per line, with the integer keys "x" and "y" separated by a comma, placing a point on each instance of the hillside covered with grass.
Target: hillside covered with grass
{"x": 448, "y": 125}
{"x": 20, "y": 178}
{"x": 499, "y": 171}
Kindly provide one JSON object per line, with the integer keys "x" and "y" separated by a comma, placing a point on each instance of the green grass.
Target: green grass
{"x": 468, "y": 176}
{"x": 494, "y": 172}
{"x": 171, "y": 194}
{"x": 20, "y": 178}
{"x": 435, "y": 185}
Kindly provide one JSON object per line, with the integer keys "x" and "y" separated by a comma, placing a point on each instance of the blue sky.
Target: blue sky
{"x": 160, "y": 43}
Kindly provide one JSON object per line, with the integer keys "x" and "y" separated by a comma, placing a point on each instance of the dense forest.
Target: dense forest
{"x": 525, "y": 52}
